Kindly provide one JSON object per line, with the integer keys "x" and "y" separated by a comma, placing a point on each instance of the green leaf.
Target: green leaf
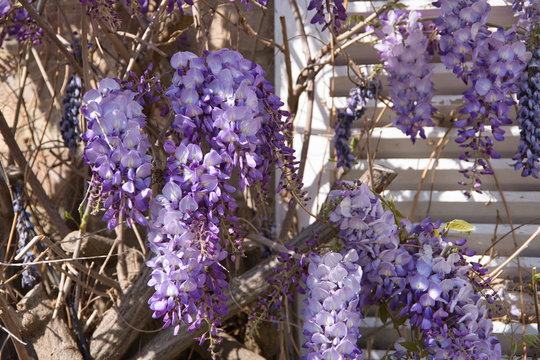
{"x": 536, "y": 277}
{"x": 531, "y": 339}
{"x": 68, "y": 216}
{"x": 460, "y": 225}
{"x": 383, "y": 314}
{"x": 399, "y": 322}
{"x": 81, "y": 209}
{"x": 410, "y": 346}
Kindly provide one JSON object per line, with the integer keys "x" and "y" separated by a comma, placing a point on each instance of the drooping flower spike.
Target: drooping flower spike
{"x": 118, "y": 151}
{"x": 226, "y": 135}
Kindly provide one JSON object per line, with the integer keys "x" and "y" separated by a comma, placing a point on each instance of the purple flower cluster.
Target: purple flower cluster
{"x": 364, "y": 225}
{"x": 227, "y": 125}
{"x": 356, "y": 107}
{"x": 460, "y": 24}
{"x": 416, "y": 275}
{"x": 15, "y": 22}
{"x": 404, "y": 51}
{"x": 147, "y": 88}
{"x": 331, "y": 313}
{"x": 529, "y": 13}
{"x": 103, "y": 10}
{"x": 334, "y": 10}
{"x": 498, "y": 62}
{"x": 117, "y": 150}
{"x": 25, "y": 231}
{"x": 441, "y": 297}
{"x": 69, "y": 125}
{"x": 528, "y": 118}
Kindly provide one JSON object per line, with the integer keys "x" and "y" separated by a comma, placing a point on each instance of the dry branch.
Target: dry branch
{"x": 32, "y": 179}
{"x": 47, "y": 338}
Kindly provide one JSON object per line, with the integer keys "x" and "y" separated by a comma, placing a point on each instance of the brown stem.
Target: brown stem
{"x": 32, "y": 179}
{"x": 287, "y": 222}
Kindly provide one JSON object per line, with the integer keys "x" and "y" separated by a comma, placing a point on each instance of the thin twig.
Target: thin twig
{"x": 286, "y": 54}
{"x": 287, "y": 222}
{"x": 46, "y": 79}
{"x": 426, "y": 169}
{"x": 51, "y": 34}
{"x": 139, "y": 239}
{"x": 499, "y": 269}
{"x": 145, "y": 37}
{"x": 520, "y": 276}
{"x": 32, "y": 179}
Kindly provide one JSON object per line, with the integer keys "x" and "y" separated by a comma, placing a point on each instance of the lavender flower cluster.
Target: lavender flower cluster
{"x": 414, "y": 273}
{"x": 498, "y": 61}
{"x": 356, "y": 107}
{"x": 334, "y": 10}
{"x": 364, "y": 225}
{"x": 226, "y": 122}
{"x": 15, "y": 22}
{"x": 529, "y": 14}
{"x": 443, "y": 298}
{"x": 528, "y": 118}
{"x": 117, "y": 150}
{"x": 25, "y": 231}
{"x": 331, "y": 313}
{"x": 405, "y": 53}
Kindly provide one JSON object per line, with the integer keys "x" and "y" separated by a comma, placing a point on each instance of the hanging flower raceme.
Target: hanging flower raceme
{"x": 442, "y": 299}
{"x": 356, "y": 107}
{"x": 422, "y": 278}
{"x": 25, "y": 231}
{"x": 498, "y": 64}
{"x": 461, "y": 25}
{"x": 117, "y": 149}
{"x": 69, "y": 126}
{"x": 529, "y": 14}
{"x": 227, "y": 125}
{"x": 328, "y": 13}
{"x": 528, "y": 118}
{"x": 364, "y": 225}
{"x": 332, "y": 317}
{"x": 498, "y": 60}
{"x": 404, "y": 51}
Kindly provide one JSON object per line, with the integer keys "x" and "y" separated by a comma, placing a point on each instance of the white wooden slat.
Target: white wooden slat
{"x": 481, "y": 208}
{"x": 500, "y": 14}
{"x": 446, "y": 176}
{"x": 512, "y": 268}
{"x": 444, "y": 105}
{"x": 446, "y": 83}
{"x": 484, "y": 235}
{"x": 391, "y": 142}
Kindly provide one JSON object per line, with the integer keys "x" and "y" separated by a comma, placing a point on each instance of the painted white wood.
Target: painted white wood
{"x": 442, "y": 174}
{"x": 481, "y": 208}
{"x": 500, "y": 14}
